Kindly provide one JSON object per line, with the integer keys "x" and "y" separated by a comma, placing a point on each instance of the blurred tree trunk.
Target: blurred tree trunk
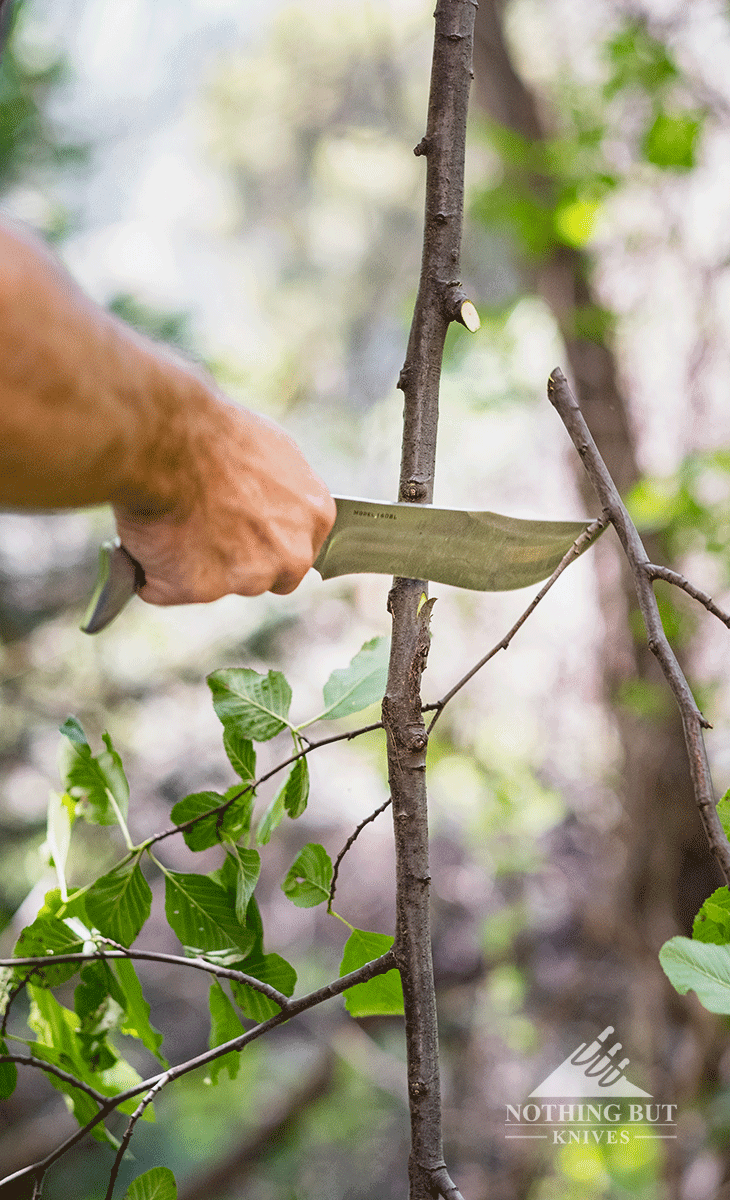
{"x": 651, "y": 891}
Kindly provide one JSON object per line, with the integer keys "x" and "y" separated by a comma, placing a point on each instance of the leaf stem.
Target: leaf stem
{"x": 121, "y": 821}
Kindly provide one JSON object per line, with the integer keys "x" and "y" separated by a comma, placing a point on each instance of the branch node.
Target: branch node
{"x": 422, "y": 148}
{"x": 404, "y": 378}
{"x": 458, "y": 307}
{"x": 414, "y": 490}
{"x": 442, "y": 1185}
{"x": 416, "y": 738}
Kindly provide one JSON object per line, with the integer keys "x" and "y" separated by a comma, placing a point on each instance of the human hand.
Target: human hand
{"x": 249, "y": 515}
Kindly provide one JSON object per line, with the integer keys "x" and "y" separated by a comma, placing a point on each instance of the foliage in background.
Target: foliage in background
{"x": 32, "y": 148}
{"x": 325, "y": 175}
{"x": 551, "y": 194}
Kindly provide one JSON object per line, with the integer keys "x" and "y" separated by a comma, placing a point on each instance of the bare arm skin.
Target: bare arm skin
{"x": 209, "y": 497}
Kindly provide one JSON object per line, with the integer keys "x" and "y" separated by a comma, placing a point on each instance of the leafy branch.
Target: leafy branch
{"x": 89, "y": 931}
{"x": 293, "y": 1008}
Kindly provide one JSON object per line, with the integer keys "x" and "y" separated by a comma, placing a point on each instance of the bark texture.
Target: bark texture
{"x": 436, "y": 305}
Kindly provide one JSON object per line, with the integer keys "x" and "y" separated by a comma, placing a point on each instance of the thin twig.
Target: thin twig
{"x": 378, "y": 966}
{"x": 352, "y": 838}
{"x": 674, "y": 577}
{"x": 255, "y": 783}
{"x": 131, "y": 1124}
{"x": 643, "y": 573}
{"x": 29, "y": 1060}
{"x": 581, "y": 543}
{"x": 12, "y": 994}
{"x": 200, "y": 964}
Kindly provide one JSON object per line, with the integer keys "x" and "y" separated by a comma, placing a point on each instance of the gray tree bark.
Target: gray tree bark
{"x": 437, "y": 303}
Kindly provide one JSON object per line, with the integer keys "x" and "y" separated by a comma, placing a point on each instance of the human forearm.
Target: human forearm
{"x": 208, "y": 497}
{"x": 89, "y": 411}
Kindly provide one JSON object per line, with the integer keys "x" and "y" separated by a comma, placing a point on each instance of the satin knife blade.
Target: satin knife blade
{"x": 481, "y": 551}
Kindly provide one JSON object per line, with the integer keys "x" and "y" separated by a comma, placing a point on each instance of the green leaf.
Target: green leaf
{"x": 119, "y": 903}
{"x": 99, "y": 1013}
{"x": 93, "y": 779}
{"x": 241, "y": 753}
{"x": 48, "y": 935}
{"x": 671, "y": 140}
{"x": 224, "y": 1025}
{"x": 136, "y": 1020}
{"x": 202, "y": 915}
{"x": 227, "y": 825}
{"x": 295, "y": 791}
{"x": 271, "y": 969}
{"x": 207, "y": 831}
{"x": 378, "y": 997}
{"x": 236, "y": 821}
{"x": 257, "y": 706}
{"x": 78, "y": 1045}
{"x": 712, "y": 923}
{"x": 57, "y": 1043}
{"x": 256, "y": 925}
{"x": 61, "y": 814}
{"x": 291, "y": 798}
{"x": 638, "y": 61}
{"x": 8, "y": 1075}
{"x": 360, "y": 684}
{"x": 156, "y": 1184}
{"x": 723, "y": 812}
{"x": 308, "y": 880}
{"x": 701, "y": 966}
{"x": 247, "y": 864}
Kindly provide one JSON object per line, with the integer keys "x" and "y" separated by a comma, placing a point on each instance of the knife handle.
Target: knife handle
{"x": 119, "y": 577}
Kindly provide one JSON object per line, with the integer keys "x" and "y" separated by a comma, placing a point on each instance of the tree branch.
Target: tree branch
{"x": 378, "y": 966}
{"x": 199, "y": 964}
{"x": 581, "y": 543}
{"x": 643, "y": 573}
{"x": 131, "y": 1125}
{"x": 438, "y": 302}
{"x": 674, "y": 577}
{"x": 29, "y": 1060}
{"x": 350, "y": 841}
{"x": 251, "y": 787}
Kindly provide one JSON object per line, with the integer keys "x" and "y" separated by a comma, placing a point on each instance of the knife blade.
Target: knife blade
{"x": 481, "y": 551}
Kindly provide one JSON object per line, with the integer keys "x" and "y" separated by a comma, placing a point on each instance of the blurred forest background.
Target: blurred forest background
{"x": 239, "y": 180}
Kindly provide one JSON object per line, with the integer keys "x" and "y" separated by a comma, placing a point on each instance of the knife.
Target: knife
{"x": 482, "y": 551}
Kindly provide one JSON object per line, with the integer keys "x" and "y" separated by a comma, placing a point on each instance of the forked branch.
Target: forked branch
{"x": 644, "y": 573}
